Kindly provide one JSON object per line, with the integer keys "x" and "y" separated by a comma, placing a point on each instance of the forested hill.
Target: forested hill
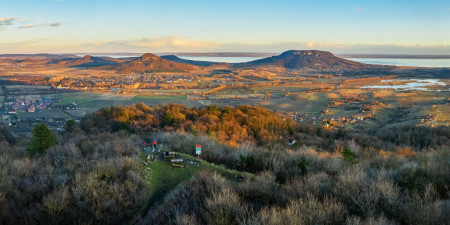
{"x": 253, "y": 124}
{"x": 228, "y": 125}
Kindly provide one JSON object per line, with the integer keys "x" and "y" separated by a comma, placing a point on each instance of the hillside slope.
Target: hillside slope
{"x": 175, "y": 58}
{"x": 150, "y": 63}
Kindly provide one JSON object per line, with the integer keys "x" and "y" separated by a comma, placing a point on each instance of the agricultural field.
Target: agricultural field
{"x": 78, "y": 97}
{"x": 158, "y": 97}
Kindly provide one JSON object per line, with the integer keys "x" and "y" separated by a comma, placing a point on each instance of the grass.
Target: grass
{"x": 163, "y": 179}
{"x": 48, "y": 114}
{"x": 77, "y": 97}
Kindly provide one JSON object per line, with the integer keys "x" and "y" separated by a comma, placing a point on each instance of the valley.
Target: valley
{"x": 309, "y": 86}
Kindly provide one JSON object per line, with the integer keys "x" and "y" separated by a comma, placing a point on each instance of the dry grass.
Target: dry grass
{"x": 285, "y": 105}
{"x": 351, "y": 91}
{"x": 333, "y": 95}
{"x": 406, "y": 94}
{"x": 383, "y": 93}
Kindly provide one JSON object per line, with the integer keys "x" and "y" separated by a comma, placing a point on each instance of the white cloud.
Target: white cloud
{"x": 154, "y": 44}
{"x": 172, "y": 42}
{"x": 28, "y": 26}
{"x": 8, "y": 21}
{"x": 53, "y": 24}
{"x": 40, "y": 25}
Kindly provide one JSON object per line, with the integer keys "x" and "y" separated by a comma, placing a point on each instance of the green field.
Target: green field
{"x": 158, "y": 97}
{"x": 77, "y": 97}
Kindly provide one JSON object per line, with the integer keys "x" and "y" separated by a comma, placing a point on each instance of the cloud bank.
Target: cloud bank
{"x": 179, "y": 44}
{"x": 157, "y": 44}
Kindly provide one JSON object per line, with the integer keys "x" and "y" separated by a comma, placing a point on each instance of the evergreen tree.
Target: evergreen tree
{"x": 349, "y": 156}
{"x": 42, "y": 139}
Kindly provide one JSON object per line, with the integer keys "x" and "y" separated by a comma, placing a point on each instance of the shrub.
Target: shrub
{"x": 369, "y": 221}
{"x": 308, "y": 210}
{"x": 224, "y": 207}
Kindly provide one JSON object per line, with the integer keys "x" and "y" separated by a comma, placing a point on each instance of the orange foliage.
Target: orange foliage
{"x": 406, "y": 152}
{"x": 230, "y": 125}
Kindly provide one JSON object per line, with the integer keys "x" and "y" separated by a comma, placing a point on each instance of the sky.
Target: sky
{"x": 111, "y": 26}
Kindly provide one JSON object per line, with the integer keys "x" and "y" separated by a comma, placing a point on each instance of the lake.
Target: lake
{"x": 404, "y": 62}
{"x": 221, "y": 59}
{"x": 408, "y": 84}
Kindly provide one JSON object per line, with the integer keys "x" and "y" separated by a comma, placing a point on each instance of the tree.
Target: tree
{"x": 69, "y": 125}
{"x": 348, "y": 155}
{"x": 42, "y": 139}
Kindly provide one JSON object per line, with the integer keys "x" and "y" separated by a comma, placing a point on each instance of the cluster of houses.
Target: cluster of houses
{"x": 325, "y": 122}
{"x": 23, "y": 114}
{"x": 30, "y": 105}
{"x": 427, "y": 120}
{"x": 106, "y": 83}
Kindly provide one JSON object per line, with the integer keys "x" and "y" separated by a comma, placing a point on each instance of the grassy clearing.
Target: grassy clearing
{"x": 162, "y": 178}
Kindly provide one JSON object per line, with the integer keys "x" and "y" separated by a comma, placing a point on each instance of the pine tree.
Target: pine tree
{"x": 348, "y": 155}
{"x": 42, "y": 139}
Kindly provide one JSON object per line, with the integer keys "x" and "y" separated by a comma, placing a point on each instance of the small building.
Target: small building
{"x": 31, "y": 109}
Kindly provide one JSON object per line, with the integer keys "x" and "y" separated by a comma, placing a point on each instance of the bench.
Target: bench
{"x": 168, "y": 155}
{"x": 177, "y": 163}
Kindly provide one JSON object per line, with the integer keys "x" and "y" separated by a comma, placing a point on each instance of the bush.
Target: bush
{"x": 307, "y": 210}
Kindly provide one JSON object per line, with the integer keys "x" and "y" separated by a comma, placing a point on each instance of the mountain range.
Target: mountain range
{"x": 307, "y": 60}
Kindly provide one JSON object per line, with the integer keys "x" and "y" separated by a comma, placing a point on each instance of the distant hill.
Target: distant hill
{"x": 150, "y": 63}
{"x": 175, "y": 58}
{"x": 311, "y": 60}
{"x": 36, "y": 56}
{"x": 86, "y": 61}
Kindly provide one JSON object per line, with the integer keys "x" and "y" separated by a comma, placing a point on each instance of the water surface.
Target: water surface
{"x": 404, "y": 62}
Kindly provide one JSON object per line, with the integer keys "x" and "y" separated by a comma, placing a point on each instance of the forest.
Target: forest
{"x": 284, "y": 172}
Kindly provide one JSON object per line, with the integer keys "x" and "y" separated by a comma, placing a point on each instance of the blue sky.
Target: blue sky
{"x": 357, "y": 26}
